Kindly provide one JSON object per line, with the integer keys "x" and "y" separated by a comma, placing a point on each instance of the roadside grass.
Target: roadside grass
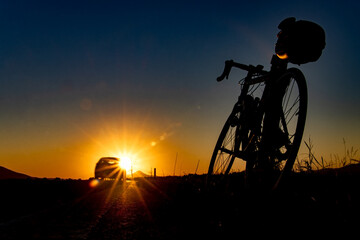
{"x": 311, "y": 163}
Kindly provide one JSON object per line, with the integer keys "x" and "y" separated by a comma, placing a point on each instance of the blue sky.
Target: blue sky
{"x": 73, "y": 73}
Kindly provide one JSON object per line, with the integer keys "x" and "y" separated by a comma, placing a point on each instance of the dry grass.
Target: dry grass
{"x": 311, "y": 163}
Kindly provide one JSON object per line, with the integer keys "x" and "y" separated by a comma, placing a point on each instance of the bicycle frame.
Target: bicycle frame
{"x": 266, "y": 124}
{"x": 266, "y": 105}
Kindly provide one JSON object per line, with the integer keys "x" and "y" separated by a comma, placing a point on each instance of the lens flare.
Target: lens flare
{"x": 126, "y": 162}
{"x": 93, "y": 183}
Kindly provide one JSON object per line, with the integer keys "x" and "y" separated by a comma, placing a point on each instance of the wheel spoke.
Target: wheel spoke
{"x": 225, "y": 150}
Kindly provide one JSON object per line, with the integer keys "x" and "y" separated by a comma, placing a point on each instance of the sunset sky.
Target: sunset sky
{"x": 80, "y": 80}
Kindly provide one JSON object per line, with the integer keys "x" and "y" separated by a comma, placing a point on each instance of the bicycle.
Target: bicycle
{"x": 266, "y": 125}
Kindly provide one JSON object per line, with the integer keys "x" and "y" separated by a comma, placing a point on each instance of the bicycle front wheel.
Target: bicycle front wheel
{"x": 282, "y": 127}
{"x": 293, "y": 117}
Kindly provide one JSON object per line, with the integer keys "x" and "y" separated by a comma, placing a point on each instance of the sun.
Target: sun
{"x": 125, "y": 162}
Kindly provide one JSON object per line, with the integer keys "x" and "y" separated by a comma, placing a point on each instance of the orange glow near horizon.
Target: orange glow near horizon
{"x": 145, "y": 143}
{"x": 126, "y": 139}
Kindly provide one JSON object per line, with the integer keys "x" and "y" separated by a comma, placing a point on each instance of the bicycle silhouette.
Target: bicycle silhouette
{"x": 266, "y": 125}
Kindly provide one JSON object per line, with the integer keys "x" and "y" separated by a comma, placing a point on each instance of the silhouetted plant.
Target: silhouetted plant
{"x": 348, "y": 158}
{"x": 311, "y": 163}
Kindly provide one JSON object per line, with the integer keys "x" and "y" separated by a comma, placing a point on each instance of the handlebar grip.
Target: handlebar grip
{"x": 226, "y": 72}
{"x": 220, "y": 78}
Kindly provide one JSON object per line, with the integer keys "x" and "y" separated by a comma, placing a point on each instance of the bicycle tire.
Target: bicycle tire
{"x": 292, "y": 124}
{"x": 301, "y": 119}
{"x": 226, "y": 146}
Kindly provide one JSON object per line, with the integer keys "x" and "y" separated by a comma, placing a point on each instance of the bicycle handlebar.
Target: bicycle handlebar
{"x": 230, "y": 63}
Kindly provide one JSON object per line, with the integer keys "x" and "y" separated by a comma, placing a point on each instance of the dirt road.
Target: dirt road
{"x": 107, "y": 211}
{"x": 131, "y": 210}
{"x": 175, "y": 208}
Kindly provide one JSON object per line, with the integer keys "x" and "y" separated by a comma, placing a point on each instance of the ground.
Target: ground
{"x": 178, "y": 208}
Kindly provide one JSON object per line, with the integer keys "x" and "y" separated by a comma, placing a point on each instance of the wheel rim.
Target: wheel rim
{"x": 291, "y": 124}
{"x": 227, "y": 147}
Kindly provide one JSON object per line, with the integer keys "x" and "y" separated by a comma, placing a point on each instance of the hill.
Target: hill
{"x": 8, "y": 174}
{"x": 351, "y": 169}
{"x": 140, "y": 174}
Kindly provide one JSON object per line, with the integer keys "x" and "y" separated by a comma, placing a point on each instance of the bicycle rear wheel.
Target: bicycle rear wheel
{"x": 239, "y": 137}
{"x": 227, "y": 146}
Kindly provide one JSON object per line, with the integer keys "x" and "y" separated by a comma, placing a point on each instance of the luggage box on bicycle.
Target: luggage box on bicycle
{"x": 300, "y": 41}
